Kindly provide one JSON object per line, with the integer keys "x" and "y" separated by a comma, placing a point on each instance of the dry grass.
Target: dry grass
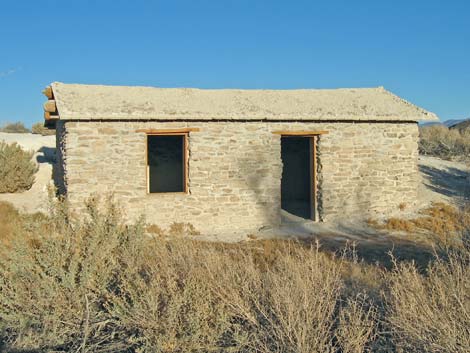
{"x": 97, "y": 285}
{"x": 176, "y": 229}
{"x": 445, "y": 226}
{"x": 17, "y": 168}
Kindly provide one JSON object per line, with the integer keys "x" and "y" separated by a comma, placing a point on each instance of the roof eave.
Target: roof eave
{"x": 137, "y": 117}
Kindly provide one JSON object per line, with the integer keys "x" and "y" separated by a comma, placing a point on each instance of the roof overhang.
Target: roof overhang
{"x": 95, "y": 102}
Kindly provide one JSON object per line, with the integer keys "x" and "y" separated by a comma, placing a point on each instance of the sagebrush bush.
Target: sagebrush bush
{"x": 17, "y": 127}
{"x": 95, "y": 284}
{"x": 17, "y": 168}
{"x": 98, "y": 285}
{"x": 165, "y": 299}
{"x": 290, "y": 299}
{"x": 10, "y": 220}
{"x": 39, "y": 129}
{"x": 53, "y": 284}
{"x": 431, "y": 312}
{"x": 440, "y": 141}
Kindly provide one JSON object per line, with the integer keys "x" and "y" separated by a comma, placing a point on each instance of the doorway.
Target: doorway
{"x": 298, "y": 184}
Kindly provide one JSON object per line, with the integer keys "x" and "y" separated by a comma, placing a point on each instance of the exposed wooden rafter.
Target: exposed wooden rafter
{"x": 48, "y": 92}
{"x": 50, "y": 106}
{"x": 49, "y": 116}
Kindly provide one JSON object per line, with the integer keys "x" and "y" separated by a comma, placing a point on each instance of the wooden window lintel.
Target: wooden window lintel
{"x": 168, "y": 131}
{"x": 300, "y": 133}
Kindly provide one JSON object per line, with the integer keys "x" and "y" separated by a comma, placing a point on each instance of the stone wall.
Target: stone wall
{"x": 364, "y": 169}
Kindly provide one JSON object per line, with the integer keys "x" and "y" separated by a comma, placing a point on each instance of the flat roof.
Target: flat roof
{"x": 97, "y": 102}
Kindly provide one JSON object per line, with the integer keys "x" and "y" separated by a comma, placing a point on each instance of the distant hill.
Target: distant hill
{"x": 454, "y": 122}
{"x": 451, "y": 123}
{"x": 461, "y": 125}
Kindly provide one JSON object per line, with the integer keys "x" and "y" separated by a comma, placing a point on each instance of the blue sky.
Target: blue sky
{"x": 419, "y": 50}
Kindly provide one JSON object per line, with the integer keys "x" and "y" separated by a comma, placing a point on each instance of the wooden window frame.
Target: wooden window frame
{"x": 185, "y": 135}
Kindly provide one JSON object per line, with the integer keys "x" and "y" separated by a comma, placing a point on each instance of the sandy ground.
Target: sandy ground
{"x": 445, "y": 181}
{"x": 442, "y": 181}
{"x": 34, "y": 199}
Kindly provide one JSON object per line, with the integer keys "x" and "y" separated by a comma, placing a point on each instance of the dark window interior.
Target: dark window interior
{"x": 296, "y": 176}
{"x": 166, "y": 163}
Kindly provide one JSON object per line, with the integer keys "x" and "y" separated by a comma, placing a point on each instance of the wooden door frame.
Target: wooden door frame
{"x": 313, "y": 137}
{"x": 313, "y": 179}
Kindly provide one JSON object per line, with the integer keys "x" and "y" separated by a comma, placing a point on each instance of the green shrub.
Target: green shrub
{"x": 39, "y": 129}
{"x": 17, "y": 127}
{"x": 17, "y": 168}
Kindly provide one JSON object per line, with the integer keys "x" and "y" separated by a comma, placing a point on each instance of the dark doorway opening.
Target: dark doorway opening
{"x": 297, "y": 176}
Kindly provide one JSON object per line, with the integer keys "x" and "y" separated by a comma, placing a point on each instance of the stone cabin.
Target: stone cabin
{"x": 236, "y": 159}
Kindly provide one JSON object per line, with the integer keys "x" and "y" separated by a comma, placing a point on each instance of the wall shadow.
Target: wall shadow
{"x": 372, "y": 246}
{"x": 381, "y": 251}
{"x": 451, "y": 182}
{"x": 49, "y": 156}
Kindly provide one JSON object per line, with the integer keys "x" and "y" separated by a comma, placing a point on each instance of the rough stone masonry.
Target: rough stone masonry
{"x": 365, "y": 167}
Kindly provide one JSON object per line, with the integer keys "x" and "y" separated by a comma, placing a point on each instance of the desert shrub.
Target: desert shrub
{"x": 39, "y": 129}
{"x": 357, "y": 325}
{"x": 9, "y": 222}
{"x": 165, "y": 299}
{"x": 443, "y": 142}
{"x": 189, "y": 296}
{"x": 431, "y": 312}
{"x": 17, "y": 168}
{"x": 12, "y": 222}
{"x": 17, "y": 127}
{"x": 97, "y": 285}
{"x": 53, "y": 285}
{"x": 289, "y": 300}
